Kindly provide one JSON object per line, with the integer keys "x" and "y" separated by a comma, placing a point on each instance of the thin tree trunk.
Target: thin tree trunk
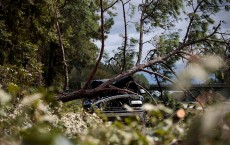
{"x": 139, "y": 56}
{"x": 140, "y": 43}
{"x": 161, "y": 91}
{"x": 50, "y": 76}
{"x": 102, "y": 48}
{"x": 66, "y": 83}
{"x": 126, "y": 38}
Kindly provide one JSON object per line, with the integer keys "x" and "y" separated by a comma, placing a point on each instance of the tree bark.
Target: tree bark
{"x": 50, "y": 73}
{"x": 102, "y": 48}
{"x": 66, "y": 83}
{"x": 139, "y": 56}
{"x": 126, "y": 37}
{"x": 89, "y": 93}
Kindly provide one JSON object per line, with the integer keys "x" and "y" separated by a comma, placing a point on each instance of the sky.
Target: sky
{"x": 114, "y": 40}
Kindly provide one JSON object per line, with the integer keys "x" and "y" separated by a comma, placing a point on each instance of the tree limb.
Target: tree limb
{"x": 191, "y": 21}
{"x": 87, "y": 93}
{"x": 110, "y": 6}
{"x": 102, "y": 48}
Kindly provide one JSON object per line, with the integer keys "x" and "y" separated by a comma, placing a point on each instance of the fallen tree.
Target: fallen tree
{"x": 194, "y": 37}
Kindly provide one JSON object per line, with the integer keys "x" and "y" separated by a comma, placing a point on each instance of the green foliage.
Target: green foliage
{"x": 31, "y": 53}
{"x": 34, "y": 121}
{"x": 117, "y": 61}
{"x": 141, "y": 80}
{"x": 161, "y": 13}
{"x": 171, "y": 102}
{"x": 165, "y": 44}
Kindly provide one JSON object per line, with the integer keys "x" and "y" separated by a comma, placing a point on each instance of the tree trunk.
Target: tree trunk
{"x": 51, "y": 64}
{"x": 139, "y": 56}
{"x": 126, "y": 37}
{"x": 66, "y": 83}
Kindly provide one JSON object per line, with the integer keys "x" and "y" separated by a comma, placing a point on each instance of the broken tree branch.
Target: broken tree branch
{"x": 102, "y": 48}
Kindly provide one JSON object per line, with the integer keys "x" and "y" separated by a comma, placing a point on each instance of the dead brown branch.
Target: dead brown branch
{"x": 102, "y": 48}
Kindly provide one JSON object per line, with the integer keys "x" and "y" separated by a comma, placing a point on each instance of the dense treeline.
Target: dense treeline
{"x": 30, "y": 49}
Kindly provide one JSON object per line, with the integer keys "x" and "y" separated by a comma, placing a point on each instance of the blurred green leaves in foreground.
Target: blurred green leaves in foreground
{"x": 33, "y": 120}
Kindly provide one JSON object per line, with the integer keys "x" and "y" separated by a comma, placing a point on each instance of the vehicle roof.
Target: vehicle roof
{"x": 126, "y": 82}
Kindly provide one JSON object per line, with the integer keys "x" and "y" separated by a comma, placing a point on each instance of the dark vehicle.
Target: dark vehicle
{"x": 112, "y": 103}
